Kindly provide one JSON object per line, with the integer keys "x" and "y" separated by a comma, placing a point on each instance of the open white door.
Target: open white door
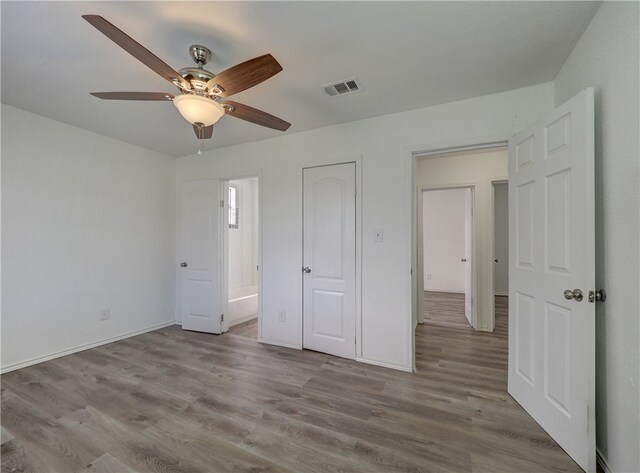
{"x": 551, "y": 250}
{"x": 329, "y": 259}
{"x": 468, "y": 251}
{"x": 201, "y": 252}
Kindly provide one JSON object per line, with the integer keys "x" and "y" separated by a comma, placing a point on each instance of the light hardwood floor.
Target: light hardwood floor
{"x": 177, "y": 401}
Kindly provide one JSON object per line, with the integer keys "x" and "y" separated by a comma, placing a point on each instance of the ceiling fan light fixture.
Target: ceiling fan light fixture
{"x": 198, "y": 109}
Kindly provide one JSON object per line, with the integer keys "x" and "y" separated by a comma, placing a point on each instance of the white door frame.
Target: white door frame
{"x": 330, "y": 161}
{"x": 492, "y": 238}
{"x": 420, "y": 245}
{"x": 225, "y": 248}
{"x": 411, "y": 156}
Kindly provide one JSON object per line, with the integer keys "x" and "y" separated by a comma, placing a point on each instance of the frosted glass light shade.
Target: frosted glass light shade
{"x": 197, "y": 109}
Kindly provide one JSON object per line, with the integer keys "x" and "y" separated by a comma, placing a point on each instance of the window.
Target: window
{"x": 233, "y": 207}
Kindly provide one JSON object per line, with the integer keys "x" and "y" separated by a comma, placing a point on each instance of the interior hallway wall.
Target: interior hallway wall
{"x": 443, "y": 223}
{"x": 478, "y": 168}
{"x": 607, "y": 58}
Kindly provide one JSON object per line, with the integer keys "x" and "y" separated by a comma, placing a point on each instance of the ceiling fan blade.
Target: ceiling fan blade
{"x": 156, "y": 96}
{"x": 253, "y": 115}
{"x": 246, "y": 75}
{"x": 203, "y": 132}
{"x": 138, "y": 51}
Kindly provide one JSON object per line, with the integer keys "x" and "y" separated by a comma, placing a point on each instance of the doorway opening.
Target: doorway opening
{"x": 474, "y": 171}
{"x": 500, "y": 212}
{"x": 242, "y": 256}
{"x": 447, "y": 255}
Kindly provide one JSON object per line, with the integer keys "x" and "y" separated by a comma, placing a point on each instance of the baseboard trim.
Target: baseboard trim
{"x": 242, "y": 320}
{"x": 384, "y": 365}
{"x": 279, "y": 344}
{"x": 444, "y": 290}
{"x": 87, "y": 346}
{"x": 602, "y": 462}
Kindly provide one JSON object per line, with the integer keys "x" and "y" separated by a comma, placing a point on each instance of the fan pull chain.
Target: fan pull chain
{"x": 200, "y": 128}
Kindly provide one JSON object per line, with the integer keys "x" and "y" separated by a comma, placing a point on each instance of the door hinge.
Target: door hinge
{"x": 222, "y": 203}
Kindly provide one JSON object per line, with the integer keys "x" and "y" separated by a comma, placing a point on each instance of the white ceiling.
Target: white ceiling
{"x": 406, "y": 54}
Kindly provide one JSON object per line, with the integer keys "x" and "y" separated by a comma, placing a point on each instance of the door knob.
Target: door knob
{"x": 495, "y": 261}
{"x": 183, "y": 264}
{"x": 306, "y": 269}
{"x": 599, "y": 296}
{"x": 575, "y": 294}
{"x": 464, "y": 260}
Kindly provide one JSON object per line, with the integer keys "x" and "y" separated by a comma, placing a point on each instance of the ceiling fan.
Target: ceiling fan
{"x": 201, "y": 91}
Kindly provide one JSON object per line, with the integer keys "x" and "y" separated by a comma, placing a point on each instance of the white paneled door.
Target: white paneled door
{"x": 329, "y": 259}
{"x": 200, "y": 249}
{"x": 551, "y": 274}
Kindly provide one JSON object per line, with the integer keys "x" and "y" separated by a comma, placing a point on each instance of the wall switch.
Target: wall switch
{"x": 105, "y": 314}
{"x": 282, "y": 316}
{"x": 378, "y": 235}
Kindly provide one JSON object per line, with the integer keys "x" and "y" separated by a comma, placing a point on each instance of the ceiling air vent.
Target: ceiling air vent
{"x": 343, "y": 87}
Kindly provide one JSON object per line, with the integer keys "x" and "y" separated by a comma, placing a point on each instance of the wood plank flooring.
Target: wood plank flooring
{"x": 178, "y": 401}
{"x": 444, "y": 308}
{"x": 247, "y": 329}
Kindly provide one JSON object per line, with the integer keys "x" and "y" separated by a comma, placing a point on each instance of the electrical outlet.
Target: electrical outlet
{"x": 105, "y": 314}
{"x": 282, "y": 316}
{"x": 429, "y": 276}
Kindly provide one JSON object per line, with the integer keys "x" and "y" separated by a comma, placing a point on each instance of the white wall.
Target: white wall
{"x": 476, "y": 168}
{"x": 606, "y": 58}
{"x": 501, "y": 239}
{"x": 443, "y": 221}
{"x": 385, "y": 145}
{"x": 88, "y": 222}
{"x": 243, "y": 240}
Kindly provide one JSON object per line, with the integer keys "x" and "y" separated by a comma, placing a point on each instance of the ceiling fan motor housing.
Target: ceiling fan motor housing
{"x": 197, "y": 77}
